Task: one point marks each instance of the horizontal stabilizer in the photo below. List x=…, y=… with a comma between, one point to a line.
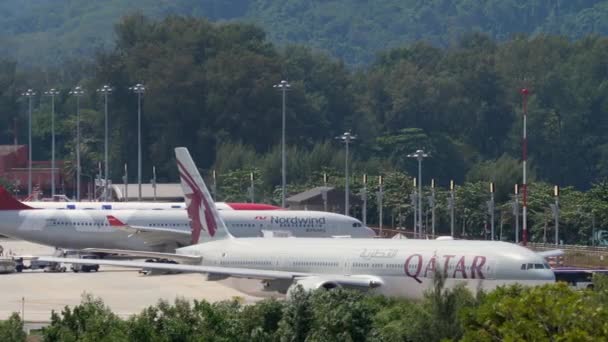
x=551, y=253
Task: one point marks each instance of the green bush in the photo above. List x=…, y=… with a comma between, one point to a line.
x=11, y=330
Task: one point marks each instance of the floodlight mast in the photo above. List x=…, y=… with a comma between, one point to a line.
x=283, y=86
x=30, y=95
x=419, y=155
x=139, y=89
x=78, y=92
x=346, y=138
x=105, y=90
x=52, y=93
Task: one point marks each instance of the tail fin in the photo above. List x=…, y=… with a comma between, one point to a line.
x=206, y=222
x=8, y=202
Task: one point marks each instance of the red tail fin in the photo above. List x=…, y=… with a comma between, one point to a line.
x=8, y=202
x=114, y=222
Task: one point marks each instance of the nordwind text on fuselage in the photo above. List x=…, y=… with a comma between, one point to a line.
x=311, y=224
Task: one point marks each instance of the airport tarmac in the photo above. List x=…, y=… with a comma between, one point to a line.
x=124, y=290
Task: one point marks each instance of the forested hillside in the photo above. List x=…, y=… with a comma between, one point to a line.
x=41, y=32
x=209, y=86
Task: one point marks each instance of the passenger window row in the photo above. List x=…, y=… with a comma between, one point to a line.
x=169, y=224
x=246, y=262
x=243, y=225
x=316, y=263
x=77, y=223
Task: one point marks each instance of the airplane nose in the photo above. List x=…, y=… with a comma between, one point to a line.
x=549, y=275
x=369, y=232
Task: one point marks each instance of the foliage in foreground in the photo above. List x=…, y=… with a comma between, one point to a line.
x=11, y=330
x=550, y=312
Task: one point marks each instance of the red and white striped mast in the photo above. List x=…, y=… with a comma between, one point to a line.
x=524, y=151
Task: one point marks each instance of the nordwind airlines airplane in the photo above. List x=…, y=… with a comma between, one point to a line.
x=143, y=205
x=391, y=267
x=157, y=230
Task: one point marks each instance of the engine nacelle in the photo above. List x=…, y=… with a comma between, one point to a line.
x=313, y=283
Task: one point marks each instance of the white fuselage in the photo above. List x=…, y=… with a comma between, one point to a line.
x=406, y=267
x=77, y=229
x=117, y=205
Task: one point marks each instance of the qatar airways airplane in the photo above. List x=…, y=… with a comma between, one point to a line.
x=392, y=267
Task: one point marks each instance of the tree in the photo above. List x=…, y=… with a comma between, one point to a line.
x=11, y=330
x=542, y=313
x=297, y=318
x=340, y=315
x=91, y=320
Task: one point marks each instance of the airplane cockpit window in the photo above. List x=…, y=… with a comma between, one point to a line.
x=535, y=266
x=357, y=224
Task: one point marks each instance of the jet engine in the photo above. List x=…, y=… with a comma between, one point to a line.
x=313, y=283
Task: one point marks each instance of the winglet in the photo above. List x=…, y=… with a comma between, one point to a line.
x=206, y=222
x=114, y=222
x=8, y=202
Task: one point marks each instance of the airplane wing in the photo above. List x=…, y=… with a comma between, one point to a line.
x=228, y=271
x=551, y=253
x=182, y=258
x=353, y=281
x=152, y=235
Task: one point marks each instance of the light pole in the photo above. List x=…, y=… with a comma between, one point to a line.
x=452, y=205
x=283, y=86
x=414, y=199
x=346, y=138
x=154, y=181
x=139, y=89
x=214, y=176
x=516, y=212
x=491, y=209
x=52, y=93
x=380, y=194
x=524, y=152
x=432, y=205
x=29, y=94
x=125, y=179
x=251, y=178
x=105, y=90
x=555, y=211
x=364, y=198
x=419, y=155
x=324, y=192
x=78, y=92
x=593, y=228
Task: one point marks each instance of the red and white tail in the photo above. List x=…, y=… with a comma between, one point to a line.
x=8, y=202
x=206, y=222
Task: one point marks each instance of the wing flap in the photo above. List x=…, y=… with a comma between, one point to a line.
x=152, y=235
x=229, y=271
x=188, y=259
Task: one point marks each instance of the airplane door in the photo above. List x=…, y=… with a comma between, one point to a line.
x=490, y=269
x=347, y=266
x=281, y=262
